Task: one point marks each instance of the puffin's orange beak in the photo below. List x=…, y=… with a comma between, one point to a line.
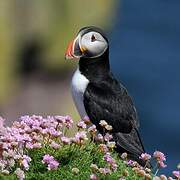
x=70, y=51
x=74, y=51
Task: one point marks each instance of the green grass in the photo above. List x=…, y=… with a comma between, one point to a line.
x=72, y=156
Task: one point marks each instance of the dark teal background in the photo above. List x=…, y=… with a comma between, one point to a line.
x=145, y=56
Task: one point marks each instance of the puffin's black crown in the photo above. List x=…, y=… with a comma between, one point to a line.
x=87, y=29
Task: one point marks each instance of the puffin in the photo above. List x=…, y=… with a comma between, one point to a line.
x=98, y=95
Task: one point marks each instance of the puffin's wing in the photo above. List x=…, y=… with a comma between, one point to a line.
x=110, y=102
x=129, y=143
x=107, y=100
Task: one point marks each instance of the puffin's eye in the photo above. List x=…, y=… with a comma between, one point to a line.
x=93, y=38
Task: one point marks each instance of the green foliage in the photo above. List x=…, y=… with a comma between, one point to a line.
x=71, y=156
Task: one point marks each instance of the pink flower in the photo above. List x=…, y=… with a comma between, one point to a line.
x=50, y=161
x=53, y=165
x=29, y=145
x=145, y=156
x=37, y=145
x=68, y=121
x=20, y=174
x=176, y=174
x=81, y=124
x=47, y=158
x=55, y=145
x=108, y=137
x=2, y=128
x=86, y=120
x=104, y=171
x=159, y=156
x=114, y=166
x=65, y=140
x=99, y=138
x=161, y=164
x=92, y=129
x=108, y=158
x=81, y=135
x=25, y=164
x=130, y=162
x=93, y=177
x=53, y=132
x=103, y=148
x=60, y=119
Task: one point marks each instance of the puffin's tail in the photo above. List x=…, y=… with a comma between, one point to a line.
x=130, y=143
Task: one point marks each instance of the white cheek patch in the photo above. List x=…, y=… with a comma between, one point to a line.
x=95, y=48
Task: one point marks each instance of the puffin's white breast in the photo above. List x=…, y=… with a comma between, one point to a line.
x=78, y=87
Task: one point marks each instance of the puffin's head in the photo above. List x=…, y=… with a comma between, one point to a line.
x=90, y=42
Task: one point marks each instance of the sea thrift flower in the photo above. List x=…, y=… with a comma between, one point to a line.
x=75, y=171
x=125, y=173
x=94, y=168
x=130, y=163
x=111, y=145
x=65, y=140
x=161, y=164
x=108, y=127
x=103, y=148
x=103, y=123
x=114, y=166
x=99, y=138
x=29, y=145
x=37, y=145
x=81, y=136
x=55, y=145
x=47, y=158
x=92, y=129
x=163, y=177
x=93, y=177
x=148, y=176
x=156, y=178
x=108, y=137
x=124, y=155
x=141, y=172
x=53, y=165
x=147, y=170
x=81, y=125
x=86, y=120
x=11, y=162
x=107, y=157
x=68, y=121
x=25, y=162
x=104, y=171
x=60, y=119
x=145, y=156
x=176, y=174
x=20, y=174
x=2, y=128
x=170, y=178
x=50, y=161
x=159, y=156
x=5, y=171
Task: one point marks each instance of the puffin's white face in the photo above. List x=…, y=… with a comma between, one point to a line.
x=93, y=44
x=90, y=44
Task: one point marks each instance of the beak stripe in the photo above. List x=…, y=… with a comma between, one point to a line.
x=83, y=49
x=69, y=51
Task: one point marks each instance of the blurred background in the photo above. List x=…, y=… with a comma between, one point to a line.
x=144, y=56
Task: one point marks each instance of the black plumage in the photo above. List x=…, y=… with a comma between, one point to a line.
x=104, y=98
x=107, y=99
